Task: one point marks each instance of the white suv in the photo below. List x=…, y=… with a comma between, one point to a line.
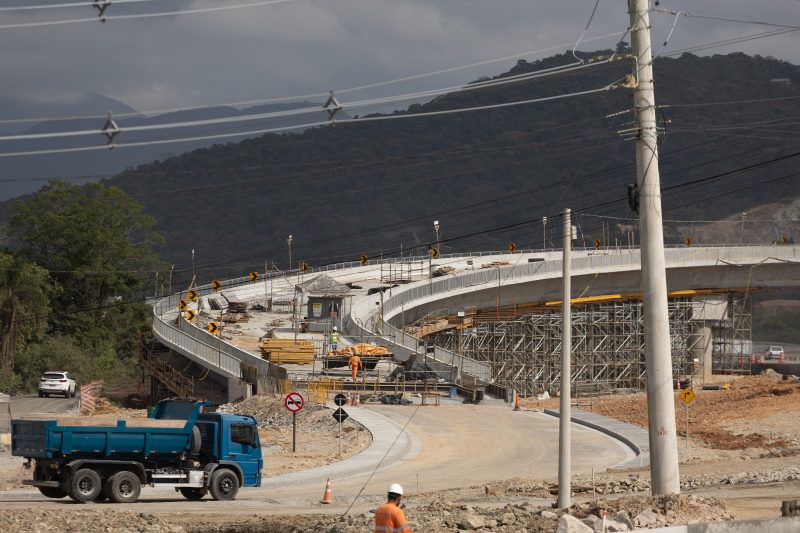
x=774, y=352
x=57, y=383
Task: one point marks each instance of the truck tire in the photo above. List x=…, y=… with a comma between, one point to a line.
x=193, y=494
x=197, y=441
x=224, y=484
x=123, y=487
x=52, y=492
x=85, y=485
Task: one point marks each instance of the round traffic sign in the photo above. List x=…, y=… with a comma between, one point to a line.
x=294, y=401
x=340, y=399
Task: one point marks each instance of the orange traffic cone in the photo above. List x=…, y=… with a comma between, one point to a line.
x=328, y=497
x=517, y=403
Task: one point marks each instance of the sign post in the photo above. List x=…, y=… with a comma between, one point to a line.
x=294, y=402
x=340, y=415
x=687, y=395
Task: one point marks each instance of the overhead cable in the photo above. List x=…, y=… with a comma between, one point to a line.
x=66, y=5
x=311, y=95
x=142, y=15
x=310, y=110
x=689, y=14
x=288, y=128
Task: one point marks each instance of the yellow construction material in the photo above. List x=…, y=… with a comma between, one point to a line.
x=361, y=349
x=289, y=351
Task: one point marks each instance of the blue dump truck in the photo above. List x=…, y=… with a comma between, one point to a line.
x=180, y=445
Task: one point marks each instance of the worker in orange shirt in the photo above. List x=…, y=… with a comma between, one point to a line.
x=355, y=363
x=389, y=517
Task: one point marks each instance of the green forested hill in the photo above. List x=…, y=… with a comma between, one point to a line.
x=374, y=187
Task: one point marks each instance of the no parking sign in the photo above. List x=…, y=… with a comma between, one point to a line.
x=294, y=402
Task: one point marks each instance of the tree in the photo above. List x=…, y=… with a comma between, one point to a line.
x=25, y=292
x=97, y=243
x=96, y=248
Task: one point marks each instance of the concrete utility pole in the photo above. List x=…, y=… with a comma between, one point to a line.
x=564, y=434
x=658, y=357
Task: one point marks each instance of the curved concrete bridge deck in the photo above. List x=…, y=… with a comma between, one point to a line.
x=530, y=276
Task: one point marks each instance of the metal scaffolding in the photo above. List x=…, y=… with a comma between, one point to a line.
x=403, y=270
x=608, y=343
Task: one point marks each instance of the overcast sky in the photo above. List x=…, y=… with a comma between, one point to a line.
x=308, y=46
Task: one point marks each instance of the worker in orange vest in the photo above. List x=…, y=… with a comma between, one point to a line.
x=389, y=517
x=355, y=363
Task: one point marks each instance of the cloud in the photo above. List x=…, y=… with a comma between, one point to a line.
x=309, y=46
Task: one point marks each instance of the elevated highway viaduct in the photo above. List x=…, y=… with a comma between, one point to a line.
x=480, y=281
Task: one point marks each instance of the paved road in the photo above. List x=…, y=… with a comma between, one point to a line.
x=455, y=446
x=32, y=405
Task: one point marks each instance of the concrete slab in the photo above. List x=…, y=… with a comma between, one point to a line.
x=636, y=438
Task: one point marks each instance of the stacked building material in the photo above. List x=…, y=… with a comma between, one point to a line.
x=288, y=351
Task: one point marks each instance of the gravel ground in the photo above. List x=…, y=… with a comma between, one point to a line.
x=438, y=514
x=317, y=434
x=83, y=521
x=757, y=412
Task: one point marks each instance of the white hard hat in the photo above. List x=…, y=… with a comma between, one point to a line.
x=334, y=328
x=396, y=489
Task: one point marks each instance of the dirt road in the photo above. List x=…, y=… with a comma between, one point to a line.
x=458, y=446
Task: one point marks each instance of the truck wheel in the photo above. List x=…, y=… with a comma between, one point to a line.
x=123, y=487
x=85, y=485
x=224, y=484
x=193, y=494
x=197, y=441
x=52, y=492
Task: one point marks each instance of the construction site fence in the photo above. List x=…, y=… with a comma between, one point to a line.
x=119, y=389
x=322, y=391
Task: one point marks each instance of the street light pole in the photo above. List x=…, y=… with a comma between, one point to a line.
x=544, y=234
x=565, y=395
x=741, y=235
x=436, y=229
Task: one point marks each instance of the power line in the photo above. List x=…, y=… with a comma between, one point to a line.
x=308, y=125
x=729, y=102
x=311, y=95
x=142, y=15
x=689, y=14
x=67, y=5
x=294, y=112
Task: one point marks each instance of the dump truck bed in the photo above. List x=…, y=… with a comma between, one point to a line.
x=103, y=438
